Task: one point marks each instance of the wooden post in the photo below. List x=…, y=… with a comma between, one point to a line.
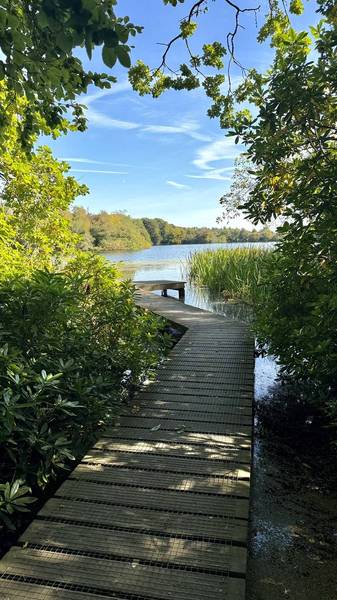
x=182, y=293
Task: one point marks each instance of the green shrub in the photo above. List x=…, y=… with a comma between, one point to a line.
x=298, y=318
x=72, y=343
x=233, y=274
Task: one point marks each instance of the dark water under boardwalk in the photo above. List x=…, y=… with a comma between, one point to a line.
x=293, y=541
x=293, y=536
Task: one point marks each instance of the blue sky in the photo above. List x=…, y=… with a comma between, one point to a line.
x=160, y=158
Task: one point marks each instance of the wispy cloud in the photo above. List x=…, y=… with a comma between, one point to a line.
x=214, y=174
x=218, y=150
x=178, y=186
x=89, y=161
x=101, y=119
x=189, y=128
x=82, y=160
x=222, y=149
x=99, y=171
x=116, y=88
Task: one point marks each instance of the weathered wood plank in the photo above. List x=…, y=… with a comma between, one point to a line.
x=177, y=464
x=179, y=501
x=178, y=406
x=185, y=437
x=20, y=590
x=175, y=413
x=171, y=550
x=210, y=527
x=232, y=451
x=162, y=480
x=179, y=425
x=120, y=577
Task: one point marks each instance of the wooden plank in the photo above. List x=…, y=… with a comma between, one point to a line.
x=166, y=549
x=178, y=501
x=231, y=452
x=186, y=424
x=177, y=464
x=178, y=405
x=189, y=389
x=160, y=284
x=211, y=527
x=20, y=590
x=210, y=371
x=235, y=386
x=163, y=480
x=207, y=403
x=230, y=416
x=184, y=437
x=121, y=577
x=178, y=426
x=225, y=398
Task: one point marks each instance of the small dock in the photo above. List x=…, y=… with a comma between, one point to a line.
x=162, y=285
x=158, y=509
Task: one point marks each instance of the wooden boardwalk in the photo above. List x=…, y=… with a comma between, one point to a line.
x=158, y=510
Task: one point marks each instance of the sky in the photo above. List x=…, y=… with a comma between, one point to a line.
x=165, y=157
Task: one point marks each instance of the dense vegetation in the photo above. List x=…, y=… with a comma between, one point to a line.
x=65, y=367
x=232, y=274
x=72, y=341
x=162, y=232
x=117, y=231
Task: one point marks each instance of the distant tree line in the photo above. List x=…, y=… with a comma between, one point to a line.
x=118, y=231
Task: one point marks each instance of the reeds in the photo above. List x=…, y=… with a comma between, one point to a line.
x=231, y=274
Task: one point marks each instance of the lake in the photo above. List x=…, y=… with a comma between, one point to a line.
x=169, y=262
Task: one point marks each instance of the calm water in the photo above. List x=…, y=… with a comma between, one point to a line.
x=169, y=262
x=292, y=550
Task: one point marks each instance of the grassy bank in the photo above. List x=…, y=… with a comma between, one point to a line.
x=233, y=274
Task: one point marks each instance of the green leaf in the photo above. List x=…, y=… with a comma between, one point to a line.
x=89, y=5
x=88, y=46
x=64, y=42
x=123, y=56
x=122, y=33
x=42, y=19
x=109, y=56
x=7, y=521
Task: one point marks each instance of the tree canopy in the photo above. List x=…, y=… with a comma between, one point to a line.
x=38, y=39
x=117, y=231
x=291, y=140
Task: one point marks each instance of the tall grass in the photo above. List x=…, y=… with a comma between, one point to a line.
x=231, y=274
